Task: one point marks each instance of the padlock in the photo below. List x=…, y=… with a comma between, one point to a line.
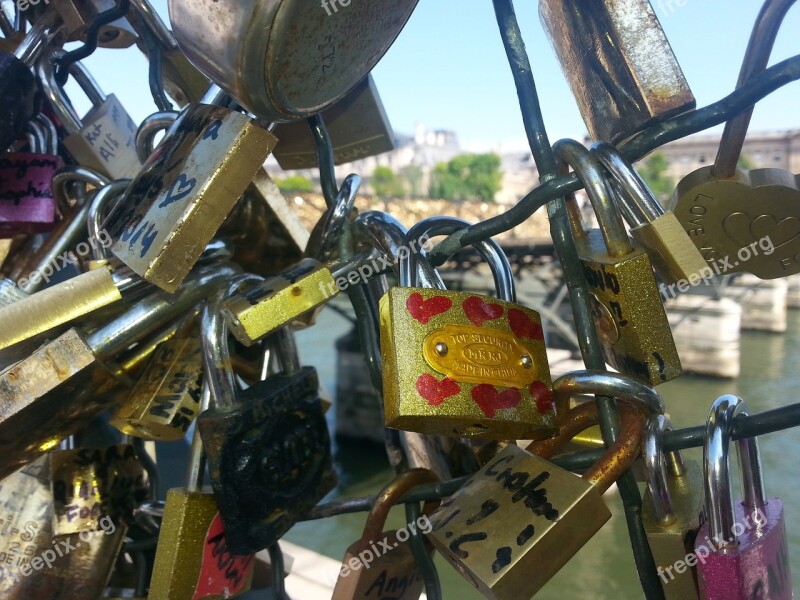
x=618, y=63
x=671, y=510
x=90, y=484
x=741, y=551
x=268, y=447
x=193, y=557
x=519, y=519
x=251, y=49
x=462, y=364
x=166, y=398
x=357, y=124
x=26, y=202
x=44, y=394
x=78, y=16
x=185, y=190
x=104, y=139
x=635, y=336
x=391, y=568
x=726, y=210
x=673, y=254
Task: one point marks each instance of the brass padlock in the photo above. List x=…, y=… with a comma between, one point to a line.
x=193, y=558
x=104, y=139
x=672, y=511
x=635, y=336
x=78, y=16
x=185, y=190
x=373, y=571
x=519, y=519
x=463, y=364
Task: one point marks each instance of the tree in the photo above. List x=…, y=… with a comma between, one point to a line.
x=746, y=163
x=385, y=184
x=411, y=176
x=295, y=183
x=467, y=177
x=653, y=171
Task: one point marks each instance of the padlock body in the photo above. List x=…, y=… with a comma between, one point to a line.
x=26, y=200
x=632, y=325
x=758, y=567
x=166, y=398
x=454, y=364
x=391, y=575
x=673, y=542
x=515, y=523
x=193, y=560
x=750, y=209
x=269, y=458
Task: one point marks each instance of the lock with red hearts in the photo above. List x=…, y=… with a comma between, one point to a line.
x=460, y=363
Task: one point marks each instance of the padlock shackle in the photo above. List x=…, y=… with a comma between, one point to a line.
x=388, y=497
x=37, y=137
x=716, y=465
x=655, y=462
x=102, y=206
x=325, y=235
x=146, y=134
x=152, y=21
x=51, y=133
x=72, y=173
x=39, y=38
x=641, y=206
x=489, y=249
x=570, y=153
x=605, y=383
x=197, y=460
x=756, y=57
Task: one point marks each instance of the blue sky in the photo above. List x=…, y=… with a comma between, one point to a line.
x=448, y=69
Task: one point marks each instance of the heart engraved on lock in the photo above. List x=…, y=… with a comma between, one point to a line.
x=435, y=391
x=478, y=310
x=423, y=310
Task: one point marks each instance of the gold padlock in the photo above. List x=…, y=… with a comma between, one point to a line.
x=517, y=521
x=462, y=364
x=370, y=570
x=635, y=336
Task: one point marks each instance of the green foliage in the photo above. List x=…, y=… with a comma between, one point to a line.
x=385, y=184
x=411, y=176
x=653, y=171
x=746, y=163
x=467, y=177
x=295, y=183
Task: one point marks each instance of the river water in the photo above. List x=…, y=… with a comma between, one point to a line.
x=603, y=569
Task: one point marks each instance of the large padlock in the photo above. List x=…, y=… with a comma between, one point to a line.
x=185, y=190
x=737, y=217
x=193, y=558
x=27, y=204
x=741, y=551
x=463, y=364
x=672, y=510
x=391, y=568
x=251, y=48
x=635, y=336
x=104, y=139
x=268, y=447
x=519, y=519
x=618, y=63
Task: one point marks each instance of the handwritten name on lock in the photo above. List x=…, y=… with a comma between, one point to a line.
x=222, y=573
x=27, y=175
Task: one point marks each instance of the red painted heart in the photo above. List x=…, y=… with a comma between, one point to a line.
x=423, y=310
x=435, y=391
x=523, y=326
x=490, y=400
x=478, y=310
x=542, y=396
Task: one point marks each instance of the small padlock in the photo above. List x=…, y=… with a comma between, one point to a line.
x=78, y=16
x=726, y=210
x=741, y=551
x=90, y=484
x=104, y=139
x=631, y=322
x=27, y=204
x=671, y=510
x=391, y=569
x=673, y=254
x=519, y=519
x=463, y=364
x=193, y=558
x=268, y=447
x=185, y=190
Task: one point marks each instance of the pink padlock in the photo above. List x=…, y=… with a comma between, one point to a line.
x=26, y=200
x=741, y=551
